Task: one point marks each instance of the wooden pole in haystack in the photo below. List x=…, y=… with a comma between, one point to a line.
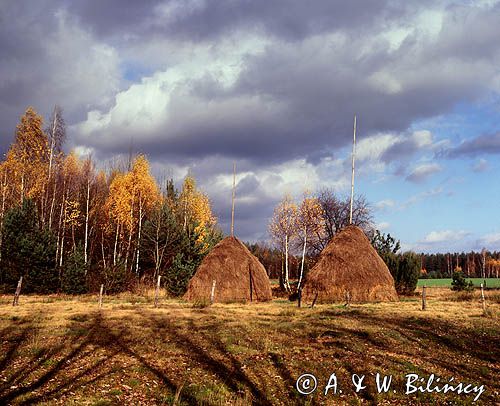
x=232, y=200
x=424, y=298
x=212, y=293
x=314, y=300
x=18, y=292
x=352, y=174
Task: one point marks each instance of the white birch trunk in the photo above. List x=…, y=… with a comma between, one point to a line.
x=63, y=233
x=138, y=238
x=4, y=190
x=287, y=283
x=102, y=250
x=22, y=188
x=116, y=243
x=52, y=204
x=87, y=220
x=303, y=259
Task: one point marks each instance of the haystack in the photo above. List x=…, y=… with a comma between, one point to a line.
x=238, y=275
x=349, y=267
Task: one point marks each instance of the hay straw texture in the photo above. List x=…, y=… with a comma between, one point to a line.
x=239, y=275
x=349, y=263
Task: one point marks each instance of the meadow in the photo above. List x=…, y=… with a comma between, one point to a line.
x=65, y=350
x=446, y=282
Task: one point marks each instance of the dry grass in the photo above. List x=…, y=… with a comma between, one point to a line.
x=63, y=350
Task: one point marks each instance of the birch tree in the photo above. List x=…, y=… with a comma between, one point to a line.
x=283, y=228
x=309, y=222
x=196, y=211
x=56, y=133
x=88, y=175
x=27, y=157
x=146, y=196
x=162, y=235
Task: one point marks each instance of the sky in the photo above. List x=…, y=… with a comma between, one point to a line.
x=274, y=86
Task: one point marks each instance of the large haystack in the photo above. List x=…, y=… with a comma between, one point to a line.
x=349, y=266
x=238, y=275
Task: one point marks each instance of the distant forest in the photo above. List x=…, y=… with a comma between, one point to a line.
x=433, y=265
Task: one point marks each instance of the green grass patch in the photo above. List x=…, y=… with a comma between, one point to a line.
x=446, y=282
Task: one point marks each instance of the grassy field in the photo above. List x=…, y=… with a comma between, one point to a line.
x=490, y=282
x=63, y=350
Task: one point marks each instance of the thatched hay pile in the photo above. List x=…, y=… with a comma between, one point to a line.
x=349, y=265
x=238, y=275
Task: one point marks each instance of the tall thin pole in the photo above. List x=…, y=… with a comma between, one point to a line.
x=232, y=203
x=352, y=174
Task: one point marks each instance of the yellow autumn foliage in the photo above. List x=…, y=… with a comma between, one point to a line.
x=195, y=207
x=284, y=221
x=132, y=192
x=27, y=158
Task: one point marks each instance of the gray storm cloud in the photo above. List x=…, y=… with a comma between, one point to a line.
x=202, y=83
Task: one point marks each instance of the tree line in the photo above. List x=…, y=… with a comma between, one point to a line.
x=484, y=264
x=67, y=226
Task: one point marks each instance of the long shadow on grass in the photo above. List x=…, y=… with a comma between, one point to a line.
x=15, y=338
x=119, y=342
x=60, y=378
x=13, y=387
x=233, y=375
x=440, y=333
x=459, y=350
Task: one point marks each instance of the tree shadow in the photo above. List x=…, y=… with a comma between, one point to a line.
x=14, y=388
x=462, y=351
x=233, y=375
x=31, y=378
x=15, y=341
x=99, y=335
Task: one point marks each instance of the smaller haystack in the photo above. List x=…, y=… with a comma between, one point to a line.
x=238, y=275
x=349, y=268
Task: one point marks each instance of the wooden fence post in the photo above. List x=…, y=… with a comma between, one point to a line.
x=157, y=291
x=424, y=298
x=18, y=292
x=483, y=301
x=100, y=296
x=212, y=293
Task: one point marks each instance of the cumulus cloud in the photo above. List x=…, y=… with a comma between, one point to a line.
x=384, y=204
x=481, y=145
x=197, y=84
x=481, y=165
x=382, y=226
x=421, y=172
x=489, y=241
x=405, y=146
x=271, y=100
x=422, y=196
x=47, y=59
x=444, y=236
